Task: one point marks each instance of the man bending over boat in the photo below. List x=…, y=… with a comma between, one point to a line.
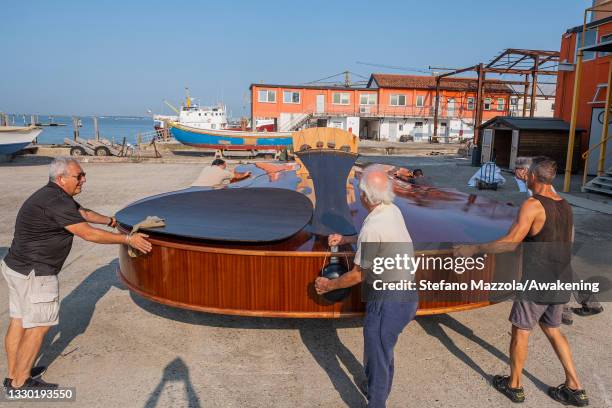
x=45, y=226
x=217, y=174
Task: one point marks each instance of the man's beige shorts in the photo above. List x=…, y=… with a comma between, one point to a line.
x=34, y=299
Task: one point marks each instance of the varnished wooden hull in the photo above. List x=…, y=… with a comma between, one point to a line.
x=276, y=278
x=232, y=281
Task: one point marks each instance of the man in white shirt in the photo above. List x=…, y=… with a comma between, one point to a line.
x=385, y=318
x=521, y=170
x=217, y=174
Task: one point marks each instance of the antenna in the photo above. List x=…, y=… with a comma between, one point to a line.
x=347, y=79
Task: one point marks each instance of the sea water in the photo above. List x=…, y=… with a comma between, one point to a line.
x=110, y=127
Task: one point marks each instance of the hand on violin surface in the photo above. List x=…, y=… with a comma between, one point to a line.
x=138, y=241
x=465, y=251
x=323, y=285
x=335, y=240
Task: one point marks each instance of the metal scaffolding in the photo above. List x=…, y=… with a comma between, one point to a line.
x=511, y=61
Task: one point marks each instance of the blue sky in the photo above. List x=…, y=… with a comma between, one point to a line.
x=124, y=57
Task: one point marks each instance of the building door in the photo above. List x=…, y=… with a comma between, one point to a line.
x=597, y=118
x=393, y=131
x=450, y=107
x=320, y=104
x=514, y=148
x=487, y=141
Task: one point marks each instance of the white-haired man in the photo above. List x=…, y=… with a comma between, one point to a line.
x=44, y=229
x=521, y=171
x=385, y=318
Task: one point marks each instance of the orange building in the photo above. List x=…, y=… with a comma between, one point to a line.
x=391, y=107
x=592, y=97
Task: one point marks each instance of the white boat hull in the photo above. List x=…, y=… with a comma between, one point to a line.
x=13, y=139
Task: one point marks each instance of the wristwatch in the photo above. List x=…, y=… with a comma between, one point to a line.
x=112, y=223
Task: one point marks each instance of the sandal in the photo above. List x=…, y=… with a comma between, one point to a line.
x=567, y=396
x=500, y=383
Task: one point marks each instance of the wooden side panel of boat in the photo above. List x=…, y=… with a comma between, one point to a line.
x=265, y=283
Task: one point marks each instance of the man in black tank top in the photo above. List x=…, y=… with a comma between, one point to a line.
x=545, y=224
x=588, y=301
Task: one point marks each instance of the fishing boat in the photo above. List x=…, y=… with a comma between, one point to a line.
x=230, y=139
x=208, y=128
x=15, y=138
x=193, y=115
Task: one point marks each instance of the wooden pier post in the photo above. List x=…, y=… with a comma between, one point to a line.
x=96, y=130
x=75, y=126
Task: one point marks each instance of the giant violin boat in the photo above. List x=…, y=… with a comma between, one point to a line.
x=255, y=247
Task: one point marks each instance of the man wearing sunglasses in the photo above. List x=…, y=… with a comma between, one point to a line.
x=45, y=226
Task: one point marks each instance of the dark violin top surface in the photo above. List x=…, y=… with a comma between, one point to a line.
x=236, y=215
x=263, y=206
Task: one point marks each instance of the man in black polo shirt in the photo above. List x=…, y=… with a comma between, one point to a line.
x=44, y=229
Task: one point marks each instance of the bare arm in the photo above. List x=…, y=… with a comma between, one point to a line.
x=351, y=278
x=88, y=233
x=96, y=218
x=515, y=235
x=240, y=176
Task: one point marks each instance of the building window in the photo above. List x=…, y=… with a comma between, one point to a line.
x=418, y=125
x=291, y=97
x=267, y=96
x=605, y=38
x=398, y=100
x=500, y=104
x=340, y=98
x=552, y=106
x=367, y=99
x=470, y=103
x=400, y=127
x=487, y=104
x=420, y=101
x=514, y=101
x=590, y=38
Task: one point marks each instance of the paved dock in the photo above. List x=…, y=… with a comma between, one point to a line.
x=120, y=350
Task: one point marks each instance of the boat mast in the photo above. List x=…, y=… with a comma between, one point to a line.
x=187, y=98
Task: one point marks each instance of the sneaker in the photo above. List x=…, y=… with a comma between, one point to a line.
x=35, y=372
x=38, y=371
x=34, y=383
x=567, y=396
x=588, y=311
x=501, y=384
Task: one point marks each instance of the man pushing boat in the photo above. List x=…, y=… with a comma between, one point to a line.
x=45, y=226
